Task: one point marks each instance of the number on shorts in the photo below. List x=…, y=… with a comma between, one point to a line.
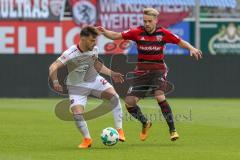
x=103, y=81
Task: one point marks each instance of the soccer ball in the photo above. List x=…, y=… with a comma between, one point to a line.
x=109, y=136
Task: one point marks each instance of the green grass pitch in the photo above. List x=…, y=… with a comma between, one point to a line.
x=209, y=130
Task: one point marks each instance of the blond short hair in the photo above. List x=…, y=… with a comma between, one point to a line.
x=150, y=12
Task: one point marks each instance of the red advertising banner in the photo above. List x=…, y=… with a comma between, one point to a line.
x=122, y=16
x=37, y=37
x=49, y=38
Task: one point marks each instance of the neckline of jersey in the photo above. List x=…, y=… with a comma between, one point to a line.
x=78, y=47
x=152, y=32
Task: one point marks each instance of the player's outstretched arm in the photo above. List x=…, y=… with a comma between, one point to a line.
x=53, y=74
x=101, y=68
x=109, y=34
x=193, y=51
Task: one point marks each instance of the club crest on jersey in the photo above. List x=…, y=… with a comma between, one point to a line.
x=159, y=38
x=63, y=57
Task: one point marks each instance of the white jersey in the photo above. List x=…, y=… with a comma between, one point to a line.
x=80, y=65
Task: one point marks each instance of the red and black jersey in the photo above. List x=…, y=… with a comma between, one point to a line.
x=150, y=46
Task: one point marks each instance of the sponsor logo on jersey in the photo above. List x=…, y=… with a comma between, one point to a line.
x=63, y=57
x=159, y=38
x=150, y=48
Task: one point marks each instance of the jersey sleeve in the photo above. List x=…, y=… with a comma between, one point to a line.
x=130, y=34
x=64, y=58
x=169, y=37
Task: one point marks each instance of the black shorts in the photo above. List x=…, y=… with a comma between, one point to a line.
x=145, y=84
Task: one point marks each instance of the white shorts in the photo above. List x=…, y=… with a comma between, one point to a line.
x=78, y=94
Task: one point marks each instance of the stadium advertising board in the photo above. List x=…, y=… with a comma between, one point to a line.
x=19, y=37
x=55, y=37
x=49, y=10
x=119, y=17
x=37, y=37
x=220, y=37
x=44, y=37
x=182, y=30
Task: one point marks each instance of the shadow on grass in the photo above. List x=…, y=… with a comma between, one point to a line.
x=154, y=145
x=75, y=148
x=120, y=146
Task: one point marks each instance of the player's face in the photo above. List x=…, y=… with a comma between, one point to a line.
x=90, y=42
x=150, y=23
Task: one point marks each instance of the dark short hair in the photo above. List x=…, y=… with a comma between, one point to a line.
x=89, y=30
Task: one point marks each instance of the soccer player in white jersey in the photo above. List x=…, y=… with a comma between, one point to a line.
x=84, y=80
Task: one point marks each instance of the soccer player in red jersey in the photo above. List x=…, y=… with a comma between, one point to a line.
x=150, y=41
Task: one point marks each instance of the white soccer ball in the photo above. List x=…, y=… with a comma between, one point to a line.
x=109, y=136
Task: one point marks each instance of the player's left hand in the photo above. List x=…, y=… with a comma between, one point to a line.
x=100, y=29
x=117, y=77
x=196, y=53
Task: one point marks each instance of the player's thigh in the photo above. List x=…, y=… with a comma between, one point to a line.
x=108, y=93
x=77, y=103
x=101, y=88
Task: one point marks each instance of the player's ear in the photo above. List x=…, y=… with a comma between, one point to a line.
x=155, y=19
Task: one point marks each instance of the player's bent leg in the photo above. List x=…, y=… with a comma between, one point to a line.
x=110, y=94
x=78, y=111
x=131, y=101
x=135, y=111
x=167, y=113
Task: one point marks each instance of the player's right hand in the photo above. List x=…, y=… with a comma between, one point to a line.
x=57, y=87
x=196, y=53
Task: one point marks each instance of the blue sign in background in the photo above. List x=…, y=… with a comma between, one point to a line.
x=182, y=30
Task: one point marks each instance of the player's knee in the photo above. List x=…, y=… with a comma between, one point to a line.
x=115, y=100
x=130, y=101
x=78, y=117
x=160, y=98
x=109, y=93
x=77, y=110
